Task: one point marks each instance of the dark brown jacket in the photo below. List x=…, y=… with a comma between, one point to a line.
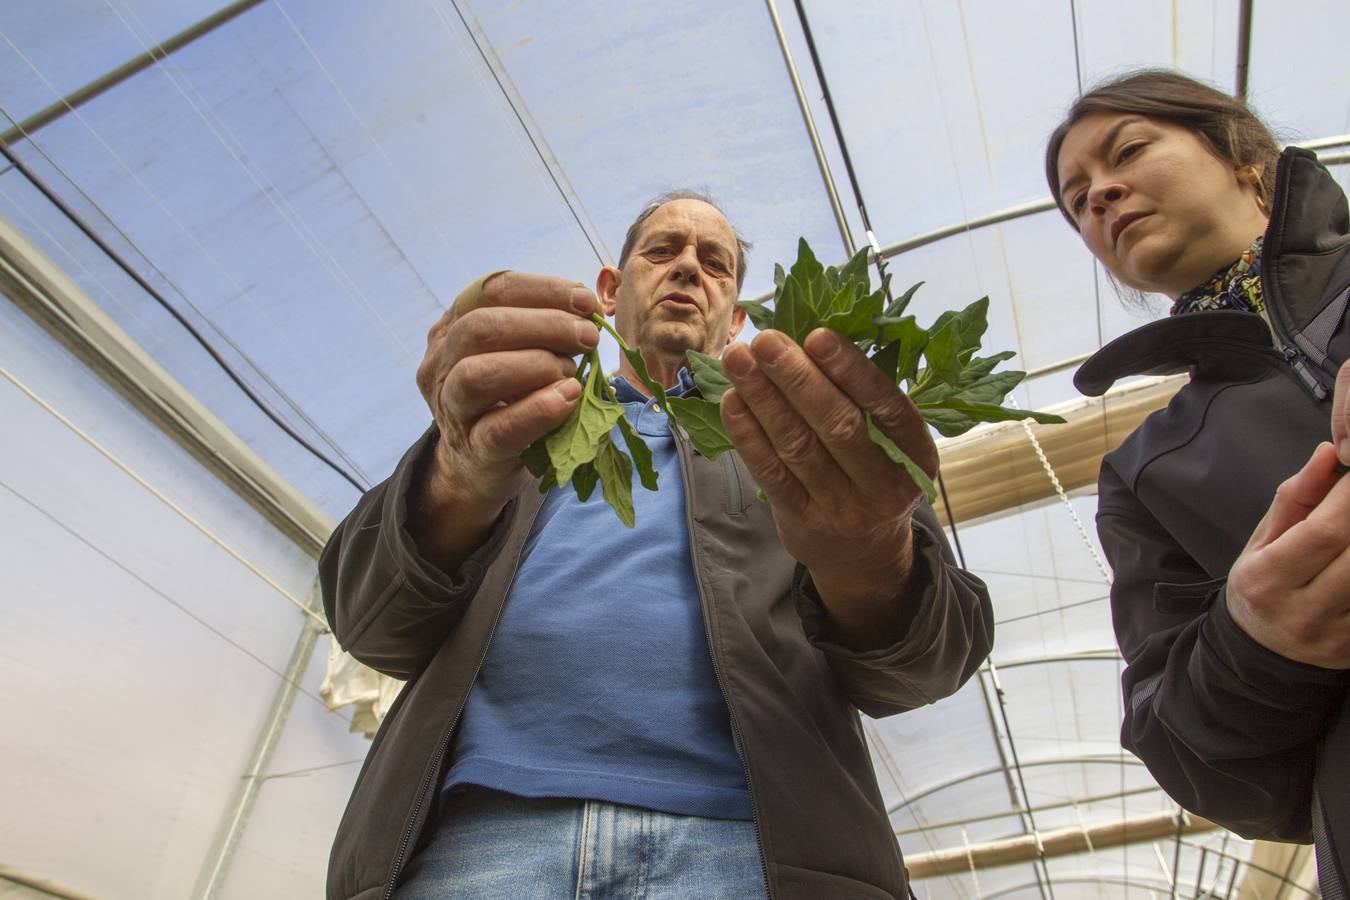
x=791, y=693
x=1231, y=730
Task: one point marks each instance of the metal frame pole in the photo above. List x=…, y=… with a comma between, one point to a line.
x=217, y=863
x=844, y=233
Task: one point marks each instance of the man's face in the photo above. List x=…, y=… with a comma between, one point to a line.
x=677, y=291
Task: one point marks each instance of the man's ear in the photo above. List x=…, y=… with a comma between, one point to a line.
x=607, y=289
x=737, y=323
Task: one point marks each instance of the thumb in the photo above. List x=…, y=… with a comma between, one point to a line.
x=1340, y=414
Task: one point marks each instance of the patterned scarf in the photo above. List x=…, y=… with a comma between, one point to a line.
x=1236, y=286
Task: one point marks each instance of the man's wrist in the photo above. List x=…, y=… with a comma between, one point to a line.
x=866, y=604
x=446, y=521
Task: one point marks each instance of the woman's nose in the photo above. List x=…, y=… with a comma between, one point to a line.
x=1100, y=198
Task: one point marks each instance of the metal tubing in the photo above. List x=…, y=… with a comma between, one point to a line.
x=1244, y=49
x=38, y=885
x=120, y=74
x=1110, y=759
x=217, y=865
x=844, y=234
x=1060, y=842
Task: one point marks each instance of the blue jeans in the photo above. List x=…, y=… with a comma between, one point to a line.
x=490, y=845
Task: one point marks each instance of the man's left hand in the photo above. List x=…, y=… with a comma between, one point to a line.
x=841, y=505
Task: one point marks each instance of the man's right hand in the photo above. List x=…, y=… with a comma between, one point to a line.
x=497, y=376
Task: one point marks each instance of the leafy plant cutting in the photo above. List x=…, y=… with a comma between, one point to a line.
x=937, y=367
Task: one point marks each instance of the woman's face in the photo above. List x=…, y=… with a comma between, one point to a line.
x=1156, y=207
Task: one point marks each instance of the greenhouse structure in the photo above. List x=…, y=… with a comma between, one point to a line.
x=226, y=228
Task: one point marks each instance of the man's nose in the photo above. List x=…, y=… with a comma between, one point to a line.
x=686, y=266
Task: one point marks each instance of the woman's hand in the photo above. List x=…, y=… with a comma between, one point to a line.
x=1290, y=588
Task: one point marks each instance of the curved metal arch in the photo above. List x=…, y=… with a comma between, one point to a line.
x=1156, y=885
x=1099, y=655
x=1093, y=759
x=1045, y=204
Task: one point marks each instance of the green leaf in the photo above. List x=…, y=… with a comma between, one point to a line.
x=855, y=270
x=897, y=455
x=702, y=421
x=943, y=349
x=578, y=439
x=991, y=388
x=948, y=422
x=709, y=375
x=792, y=312
x=990, y=412
x=898, y=305
x=759, y=313
x=856, y=324
x=886, y=359
x=807, y=268
x=616, y=480
x=981, y=366
x=971, y=322
x=641, y=454
x=535, y=457
x=640, y=366
x=910, y=340
x=583, y=481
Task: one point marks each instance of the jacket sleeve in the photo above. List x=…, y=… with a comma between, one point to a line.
x=388, y=607
x=1227, y=727
x=951, y=634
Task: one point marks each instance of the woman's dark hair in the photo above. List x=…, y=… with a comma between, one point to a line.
x=1231, y=130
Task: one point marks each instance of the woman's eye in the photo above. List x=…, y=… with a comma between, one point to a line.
x=1076, y=205
x=1127, y=151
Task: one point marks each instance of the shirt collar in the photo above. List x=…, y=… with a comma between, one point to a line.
x=624, y=390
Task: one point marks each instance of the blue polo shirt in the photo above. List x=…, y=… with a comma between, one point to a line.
x=598, y=682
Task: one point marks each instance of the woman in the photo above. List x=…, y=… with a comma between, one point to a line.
x=1224, y=516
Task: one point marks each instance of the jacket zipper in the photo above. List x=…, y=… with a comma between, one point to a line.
x=1305, y=368
x=445, y=738
x=683, y=456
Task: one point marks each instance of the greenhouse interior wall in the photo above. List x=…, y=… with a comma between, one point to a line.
x=309, y=184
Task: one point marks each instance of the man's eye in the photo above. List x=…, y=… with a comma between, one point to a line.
x=717, y=266
x=659, y=252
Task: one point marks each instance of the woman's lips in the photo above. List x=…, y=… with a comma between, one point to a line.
x=1118, y=227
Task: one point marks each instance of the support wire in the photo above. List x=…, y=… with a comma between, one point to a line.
x=78, y=221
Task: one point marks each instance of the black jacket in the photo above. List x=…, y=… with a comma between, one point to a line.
x=792, y=694
x=1231, y=730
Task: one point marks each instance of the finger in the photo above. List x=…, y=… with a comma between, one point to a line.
x=503, y=434
x=1340, y=414
x=490, y=330
x=1297, y=496
x=486, y=380
x=498, y=330
x=522, y=290
x=782, y=488
x=870, y=390
x=793, y=439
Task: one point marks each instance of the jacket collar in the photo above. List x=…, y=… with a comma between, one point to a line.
x=1308, y=216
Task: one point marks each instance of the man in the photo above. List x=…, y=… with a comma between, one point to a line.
x=667, y=711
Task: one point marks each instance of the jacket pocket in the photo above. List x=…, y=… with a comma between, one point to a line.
x=738, y=483
x=1172, y=599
